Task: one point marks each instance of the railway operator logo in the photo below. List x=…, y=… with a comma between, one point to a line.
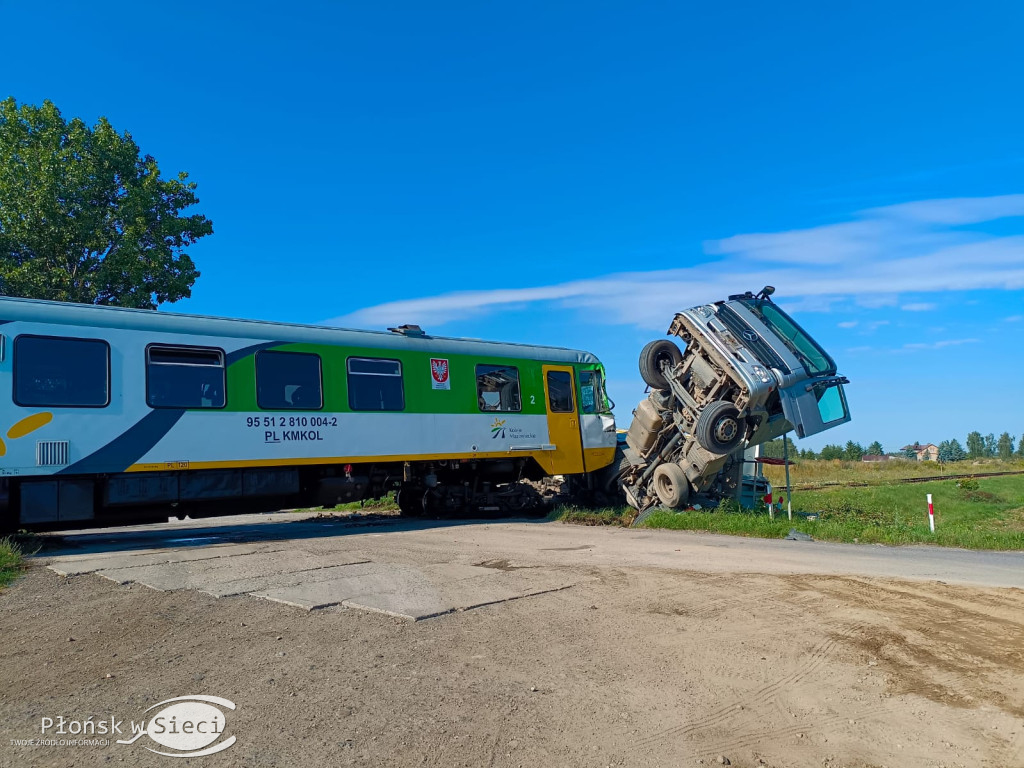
x=439, y=378
x=498, y=428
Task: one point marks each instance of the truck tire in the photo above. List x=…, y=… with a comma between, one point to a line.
x=651, y=358
x=718, y=428
x=671, y=485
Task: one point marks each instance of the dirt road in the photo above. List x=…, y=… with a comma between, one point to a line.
x=666, y=649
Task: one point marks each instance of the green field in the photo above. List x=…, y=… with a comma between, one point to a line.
x=835, y=472
x=981, y=513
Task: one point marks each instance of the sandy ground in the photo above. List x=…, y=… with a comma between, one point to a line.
x=632, y=666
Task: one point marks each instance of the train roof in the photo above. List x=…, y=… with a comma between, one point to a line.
x=95, y=316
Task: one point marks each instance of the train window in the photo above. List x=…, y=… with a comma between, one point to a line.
x=288, y=380
x=375, y=385
x=61, y=373
x=184, y=377
x=560, y=391
x=497, y=388
x=591, y=392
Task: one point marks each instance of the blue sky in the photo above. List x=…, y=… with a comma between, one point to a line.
x=572, y=174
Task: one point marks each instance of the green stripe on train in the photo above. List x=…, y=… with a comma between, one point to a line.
x=420, y=397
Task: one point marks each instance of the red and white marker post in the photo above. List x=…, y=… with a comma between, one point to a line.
x=931, y=514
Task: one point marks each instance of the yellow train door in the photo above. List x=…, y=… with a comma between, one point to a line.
x=563, y=420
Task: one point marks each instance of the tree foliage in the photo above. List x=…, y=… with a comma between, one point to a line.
x=875, y=449
x=774, y=448
x=853, y=451
x=1004, y=446
x=975, y=445
x=956, y=451
x=951, y=450
x=831, y=452
x=85, y=217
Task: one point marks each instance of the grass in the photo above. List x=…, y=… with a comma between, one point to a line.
x=621, y=516
x=984, y=513
x=978, y=513
x=12, y=560
x=385, y=504
x=835, y=472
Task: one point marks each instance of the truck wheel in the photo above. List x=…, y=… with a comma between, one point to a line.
x=651, y=358
x=671, y=485
x=718, y=427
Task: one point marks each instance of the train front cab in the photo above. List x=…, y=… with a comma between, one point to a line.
x=581, y=428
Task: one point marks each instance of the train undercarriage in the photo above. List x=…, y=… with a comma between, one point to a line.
x=443, y=488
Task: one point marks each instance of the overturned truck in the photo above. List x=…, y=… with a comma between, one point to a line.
x=747, y=374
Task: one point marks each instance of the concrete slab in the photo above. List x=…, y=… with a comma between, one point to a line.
x=456, y=571
x=76, y=565
x=257, y=584
x=424, y=602
x=208, y=574
x=417, y=593
x=382, y=578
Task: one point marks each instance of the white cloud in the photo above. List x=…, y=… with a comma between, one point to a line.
x=1013, y=319
x=940, y=344
x=870, y=261
x=956, y=210
x=848, y=324
x=920, y=306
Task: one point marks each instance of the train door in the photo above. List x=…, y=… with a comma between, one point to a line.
x=563, y=420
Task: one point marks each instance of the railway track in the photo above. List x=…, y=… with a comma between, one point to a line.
x=975, y=475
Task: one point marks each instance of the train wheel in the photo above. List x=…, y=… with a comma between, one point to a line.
x=410, y=501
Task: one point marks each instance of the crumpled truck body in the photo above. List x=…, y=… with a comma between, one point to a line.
x=747, y=374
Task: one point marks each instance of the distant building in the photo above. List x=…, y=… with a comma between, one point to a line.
x=926, y=452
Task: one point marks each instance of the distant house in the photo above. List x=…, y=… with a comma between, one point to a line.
x=924, y=452
x=869, y=458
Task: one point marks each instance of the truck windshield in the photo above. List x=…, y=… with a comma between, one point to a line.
x=792, y=335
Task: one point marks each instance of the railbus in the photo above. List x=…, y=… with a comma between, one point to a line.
x=110, y=414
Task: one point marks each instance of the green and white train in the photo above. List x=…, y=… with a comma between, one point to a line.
x=119, y=413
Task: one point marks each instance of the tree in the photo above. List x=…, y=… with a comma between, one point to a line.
x=975, y=445
x=956, y=451
x=1005, y=446
x=990, y=445
x=944, y=451
x=773, y=449
x=853, y=451
x=831, y=452
x=875, y=449
x=85, y=217
x=1020, y=447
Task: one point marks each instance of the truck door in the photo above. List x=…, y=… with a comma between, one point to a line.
x=563, y=420
x=813, y=407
